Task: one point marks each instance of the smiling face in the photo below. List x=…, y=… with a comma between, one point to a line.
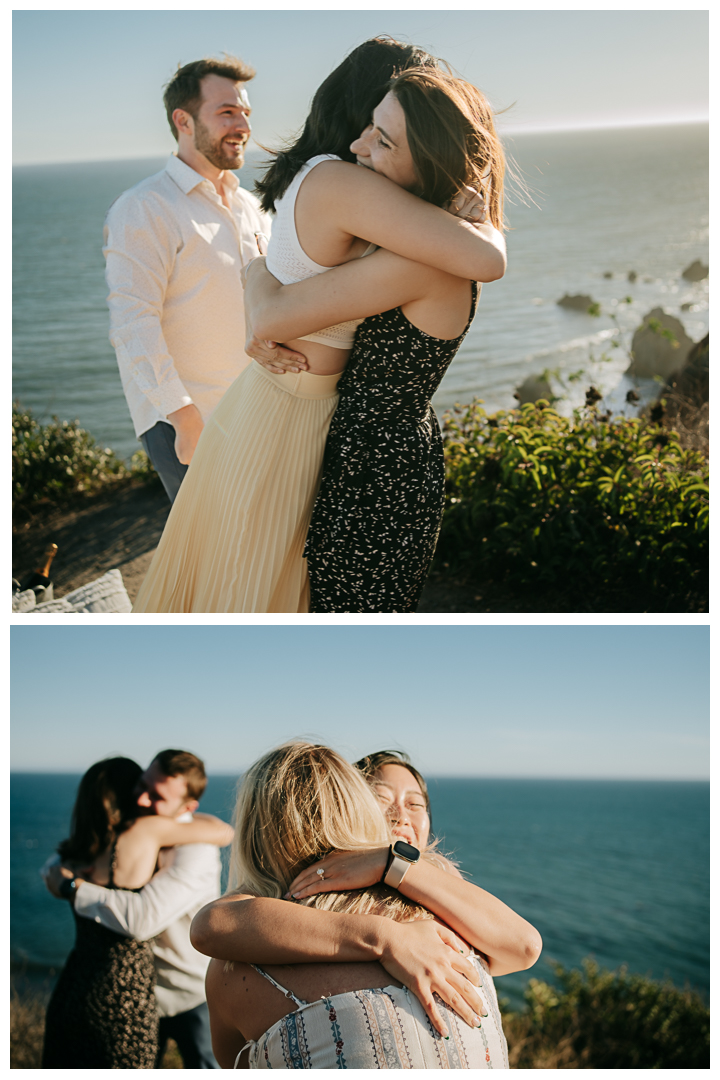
x=383, y=145
x=166, y=796
x=221, y=127
x=404, y=804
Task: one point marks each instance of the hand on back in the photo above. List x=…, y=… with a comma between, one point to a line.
x=430, y=959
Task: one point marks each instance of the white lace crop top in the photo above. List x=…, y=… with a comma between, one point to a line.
x=287, y=261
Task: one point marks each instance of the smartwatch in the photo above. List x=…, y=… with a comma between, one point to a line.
x=400, y=858
x=68, y=888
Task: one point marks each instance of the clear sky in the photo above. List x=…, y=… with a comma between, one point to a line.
x=88, y=84
x=532, y=701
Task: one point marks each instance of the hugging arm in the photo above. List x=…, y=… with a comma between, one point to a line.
x=508, y=942
x=356, y=289
x=362, y=203
x=172, y=893
x=138, y=847
x=423, y=955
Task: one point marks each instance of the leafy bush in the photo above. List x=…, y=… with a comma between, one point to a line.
x=600, y=1019
x=59, y=460
x=590, y=515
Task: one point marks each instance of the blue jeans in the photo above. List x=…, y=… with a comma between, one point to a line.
x=191, y=1032
x=159, y=445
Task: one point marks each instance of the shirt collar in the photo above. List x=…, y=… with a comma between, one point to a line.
x=187, y=178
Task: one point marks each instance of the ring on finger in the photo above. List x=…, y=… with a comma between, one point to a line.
x=320, y=872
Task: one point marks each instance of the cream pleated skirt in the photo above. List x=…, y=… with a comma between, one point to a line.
x=235, y=535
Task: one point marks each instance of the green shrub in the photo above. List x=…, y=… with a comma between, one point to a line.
x=57, y=461
x=598, y=1019
x=591, y=514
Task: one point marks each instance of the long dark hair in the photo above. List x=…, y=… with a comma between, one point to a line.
x=104, y=806
x=341, y=109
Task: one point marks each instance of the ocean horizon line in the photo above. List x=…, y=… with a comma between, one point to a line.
x=442, y=776
x=509, y=132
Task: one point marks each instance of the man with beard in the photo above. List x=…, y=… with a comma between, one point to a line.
x=175, y=245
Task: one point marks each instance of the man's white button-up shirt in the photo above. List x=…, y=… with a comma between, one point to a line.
x=174, y=254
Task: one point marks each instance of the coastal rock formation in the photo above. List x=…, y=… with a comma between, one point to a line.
x=695, y=271
x=686, y=398
x=660, y=346
x=533, y=389
x=576, y=303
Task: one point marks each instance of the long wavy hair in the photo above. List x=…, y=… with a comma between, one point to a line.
x=341, y=108
x=104, y=806
x=452, y=138
x=295, y=805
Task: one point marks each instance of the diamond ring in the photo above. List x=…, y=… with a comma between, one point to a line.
x=320, y=872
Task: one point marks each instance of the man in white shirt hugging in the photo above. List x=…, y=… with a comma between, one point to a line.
x=188, y=878
x=175, y=246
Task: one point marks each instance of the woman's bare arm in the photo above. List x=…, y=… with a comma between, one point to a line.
x=203, y=829
x=509, y=942
x=227, y=1038
x=362, y=203
x=423, y=955
x=138, y=847
x=356, y=289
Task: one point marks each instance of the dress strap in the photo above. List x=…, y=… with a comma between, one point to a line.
x=113, y=865
x=287, y=993
x=251, y=1043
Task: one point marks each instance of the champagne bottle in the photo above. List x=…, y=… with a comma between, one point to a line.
x=40, y=579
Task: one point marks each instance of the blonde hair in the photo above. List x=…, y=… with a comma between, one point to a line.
x=295, y=805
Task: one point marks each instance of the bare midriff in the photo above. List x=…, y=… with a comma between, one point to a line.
x=322, y=359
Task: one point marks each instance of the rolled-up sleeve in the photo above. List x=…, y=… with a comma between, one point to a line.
x=192, y=881
x=140, y=247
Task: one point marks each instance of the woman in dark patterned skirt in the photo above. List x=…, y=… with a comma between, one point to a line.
x=377, y=516
x=102, y=1013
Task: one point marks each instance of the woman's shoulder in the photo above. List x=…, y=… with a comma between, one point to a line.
x=329, y=181
x=317, y=158
x=144, y=825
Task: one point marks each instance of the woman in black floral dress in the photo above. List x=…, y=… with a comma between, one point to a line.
x=377, y=516
x=102, y=1013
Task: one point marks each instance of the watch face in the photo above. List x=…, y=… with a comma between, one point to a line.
x=406, y=851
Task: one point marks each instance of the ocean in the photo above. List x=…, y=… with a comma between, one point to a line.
x=614, y=869
x=603, y=202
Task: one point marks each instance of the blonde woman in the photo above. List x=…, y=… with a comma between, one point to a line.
x=296, y=805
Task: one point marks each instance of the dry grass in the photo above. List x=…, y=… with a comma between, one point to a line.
x=527, y=1051
x=684, y=402
x=27, y=1025
x=27, y=1028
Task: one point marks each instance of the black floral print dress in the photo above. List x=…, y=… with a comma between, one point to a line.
x=103, y=1012
x=377, y=516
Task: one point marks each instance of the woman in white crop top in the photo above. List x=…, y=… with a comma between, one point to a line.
x=235, y=535
x=295, y=805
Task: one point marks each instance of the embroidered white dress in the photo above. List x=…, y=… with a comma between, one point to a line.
x=380, y=1029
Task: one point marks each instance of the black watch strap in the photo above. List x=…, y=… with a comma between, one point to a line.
x=387, y=863
x=68, y=888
